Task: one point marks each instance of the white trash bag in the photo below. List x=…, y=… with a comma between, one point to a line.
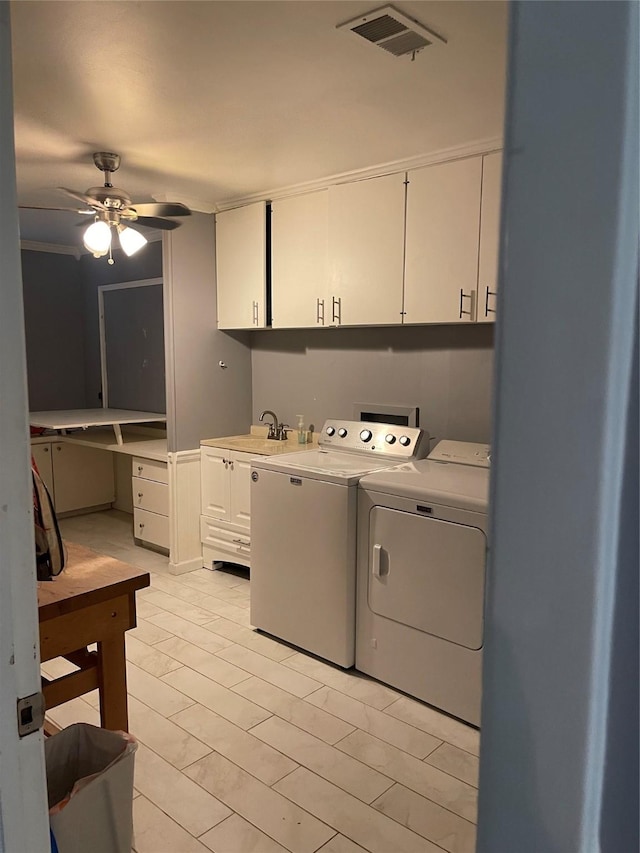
x=90, y=789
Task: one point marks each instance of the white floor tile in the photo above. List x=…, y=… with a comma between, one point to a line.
x=211, y=666
x=358, y=821
x=243, y=748
x=447, y=830
x=236, y=835
x=434, y=722
x=148, y=632
x=250, y=639
x=352, y=683
x=185, y=609
x=186, y=630
x=148, y=658
x=271, y=671
x=155, y=693
x=74, y=711
x=325, y=760
x=377, y=723
x=273, y=814
x=173, y=792
x=456, y=762
x=223, y=701
x=340, y=844
x=296, y=711
x=155, y=832
x=417, y=775
x=163, y=736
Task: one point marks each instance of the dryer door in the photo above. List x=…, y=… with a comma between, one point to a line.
x=428, y=574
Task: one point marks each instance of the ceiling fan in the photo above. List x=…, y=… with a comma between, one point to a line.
x=112, y=208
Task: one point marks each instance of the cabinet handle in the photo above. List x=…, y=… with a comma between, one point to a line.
x=140, y=495
x=45, y=449
x=488, y=310
x=255, y=313
x=468, y=296
x=319, y=313
x=58, y=447
x=337, y=316
x=141, y=525
x=139, y=469
x=231, y=464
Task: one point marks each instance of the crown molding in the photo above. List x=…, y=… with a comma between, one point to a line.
x=52, y=248
x=471, y=149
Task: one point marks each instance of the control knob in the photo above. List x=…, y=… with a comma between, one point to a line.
x=390, y=439
x=331, y=430
x=405, y=440
x=342, y=432
x=366, y=434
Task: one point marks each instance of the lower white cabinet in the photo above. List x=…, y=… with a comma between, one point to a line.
x=77, y=477
x=225, y=522
x=150, y=490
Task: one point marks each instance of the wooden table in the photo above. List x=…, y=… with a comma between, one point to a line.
x=91, y=601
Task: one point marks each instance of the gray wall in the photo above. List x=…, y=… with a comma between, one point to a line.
x=559, y=758
x=94, y=272
x=134, y=347
x=321, y=373
x=207, y=400
x=54, y=328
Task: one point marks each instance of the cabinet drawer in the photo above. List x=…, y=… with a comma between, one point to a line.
x=150, y=469
x=151, y=527
x=215, y=535
x=150, y=495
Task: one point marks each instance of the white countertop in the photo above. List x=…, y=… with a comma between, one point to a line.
x=74, y=418
x=256, y=442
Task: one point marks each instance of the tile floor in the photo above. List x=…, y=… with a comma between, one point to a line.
x=250, y=746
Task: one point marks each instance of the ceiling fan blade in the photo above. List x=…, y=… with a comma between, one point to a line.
x=155, y=222
x=65, y=209
x=92, y=202
x=161, y=209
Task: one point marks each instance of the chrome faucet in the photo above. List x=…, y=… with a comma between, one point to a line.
x=275, y=431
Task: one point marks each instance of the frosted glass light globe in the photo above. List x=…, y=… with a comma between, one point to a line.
x=97, y=238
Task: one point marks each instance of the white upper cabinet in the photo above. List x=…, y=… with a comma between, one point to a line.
x=299, y=262
x=366, y=251
x=489, y=237
x=443, y=225
x=241, y=267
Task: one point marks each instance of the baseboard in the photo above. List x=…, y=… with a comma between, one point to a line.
x=185, y=566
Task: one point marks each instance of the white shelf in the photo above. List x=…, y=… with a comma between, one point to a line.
x=85, y=418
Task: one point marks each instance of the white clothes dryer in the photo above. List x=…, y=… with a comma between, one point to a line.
x=422, y=541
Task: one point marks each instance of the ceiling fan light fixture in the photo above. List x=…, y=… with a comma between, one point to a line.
x=131, y=240
x=97, y=238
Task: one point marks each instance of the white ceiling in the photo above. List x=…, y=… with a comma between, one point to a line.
x=208, y=102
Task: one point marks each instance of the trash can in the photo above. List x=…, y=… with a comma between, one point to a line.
x=90, y=789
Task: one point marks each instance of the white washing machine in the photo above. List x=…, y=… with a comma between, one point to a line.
x=422, y=540
x=303, y=533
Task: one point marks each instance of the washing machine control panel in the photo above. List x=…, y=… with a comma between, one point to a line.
x=387, y=440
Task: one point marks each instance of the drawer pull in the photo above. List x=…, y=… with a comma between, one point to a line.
x=141, y=525
x=140, y=495
x=139, y=469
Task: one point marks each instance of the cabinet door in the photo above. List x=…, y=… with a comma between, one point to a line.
x=443, y=224
x=489, y=237
x=299, y=265
x=240, y=482
x=214, y=482
x=366, y=251
x=42, y=455
x=241, y=267
x=82, y=476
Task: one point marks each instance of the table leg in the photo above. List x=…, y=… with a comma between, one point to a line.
x=112, y=679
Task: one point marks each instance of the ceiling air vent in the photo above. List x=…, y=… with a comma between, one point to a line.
x=392, y=31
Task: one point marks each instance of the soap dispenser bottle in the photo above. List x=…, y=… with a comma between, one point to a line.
x=302, y=434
